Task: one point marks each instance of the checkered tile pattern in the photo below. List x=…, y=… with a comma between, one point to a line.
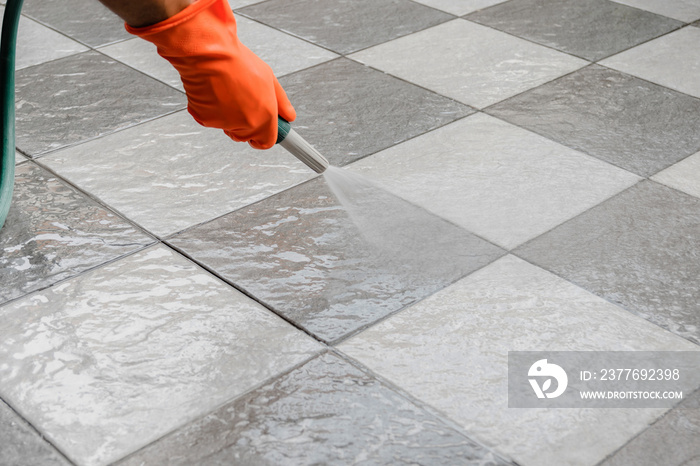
x=171, y=297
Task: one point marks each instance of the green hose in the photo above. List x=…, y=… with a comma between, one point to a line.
x=8, y=42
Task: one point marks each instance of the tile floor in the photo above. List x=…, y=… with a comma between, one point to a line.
x=171, y=297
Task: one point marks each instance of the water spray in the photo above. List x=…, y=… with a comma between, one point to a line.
x=299, y=148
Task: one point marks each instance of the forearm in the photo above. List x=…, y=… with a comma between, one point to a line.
x=141, y=13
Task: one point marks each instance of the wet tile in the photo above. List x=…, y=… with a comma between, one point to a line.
x=626, y=121
x=348, y=111
x=142, y=55
x=683, y=176
x=325, y=412
x=682, y=10
x=499, y=181
x=242, y=3
x=672, y=440
x=19, y=158
x=346, y=26
x=112, y=360
x=82, y=97
x=53, y=232
x=459, y=7
x=451, y=351
x=670, y=61
x=172, y=173
x=471, y=63
x=38, y=44
x=637, y=250
x=590, y=29
x=22, y=445
x=301, y=254
x=87, y=21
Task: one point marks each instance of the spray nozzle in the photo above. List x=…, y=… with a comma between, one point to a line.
x=298, y=147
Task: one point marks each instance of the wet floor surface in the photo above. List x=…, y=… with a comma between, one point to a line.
x=172, y=297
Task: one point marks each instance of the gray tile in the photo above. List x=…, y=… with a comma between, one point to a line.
x=347, y=110
x=638, y=250
x=346, y=26
x=682, y=176
x=52, y=232
x=671, y=440
x=21, y=445
x=301, y=253
x=459, y=7
x=682, y=10
x=84, y=96
x=325, y=412
x=114, y=359
x=87, y=21
x=626, y=121
x=591, y=29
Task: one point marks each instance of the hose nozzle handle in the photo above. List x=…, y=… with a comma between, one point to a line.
x=298, y=147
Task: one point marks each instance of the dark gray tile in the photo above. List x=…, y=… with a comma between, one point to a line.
x=639, y=250
x=346, y=26
x=87, y=21
x=325, y=412
x=591, y=29
x=301, y=254
x=631, y=123
x=20, y=445
x=673, y=440
x=53, y=232
x=696, y=24
x=84, y=96
x=347, y=110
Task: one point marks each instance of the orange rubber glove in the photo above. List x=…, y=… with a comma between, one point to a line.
x=227, y=85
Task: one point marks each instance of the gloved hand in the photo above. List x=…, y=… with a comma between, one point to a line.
x=227, y=85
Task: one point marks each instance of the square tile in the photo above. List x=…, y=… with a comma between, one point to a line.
x=471, y=63
x=87, y=21
x=53, y=232
x=682, y=10
x=22, y=445
x=638, y=250
x=684, y=176
x=325, y=412
x=348, y=111
x=301, y=254
x=110, y=361
x=142, y=55
x=631, y=123
x=499, y=181
x=451, y=351
x=84, y=96
x=672, y=61
x=345, y=26
x=672, y=440
x=590, y=29
x=171, y=173
x=459, y=7
x=38, y=44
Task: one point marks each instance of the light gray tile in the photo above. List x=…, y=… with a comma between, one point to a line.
x=631, y=123
x=19, y=158
x=348, y=111
x=22, y=445
x=325, y=412
x=53, y=232
x=682, y=10
x=172, y=173
x=671, y=61
x=638, y=249
x=84, y=96
x=87, y=21
x=471, y=63
x=451, y=351
x=497, y=180
x=301, y=253
x=684, y=176
x=112, y=360
x=346, y=26
x=590, y=29
x=38, y=44
x=459, y=7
